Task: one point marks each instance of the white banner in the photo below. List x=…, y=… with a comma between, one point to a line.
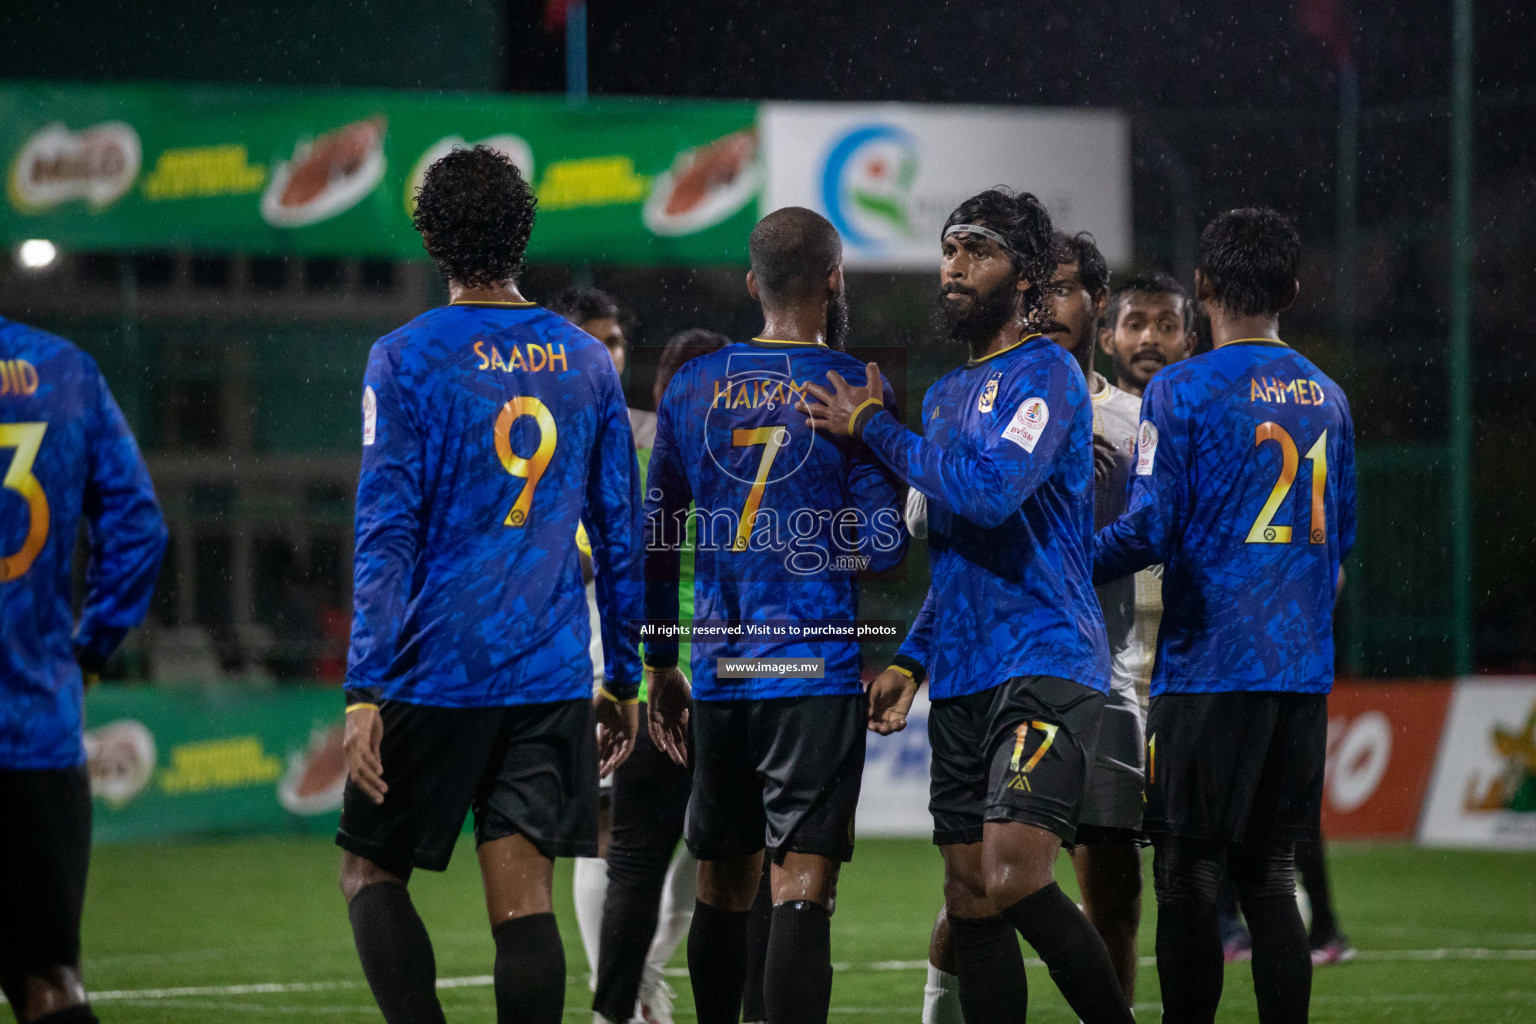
x=894, y=797
x=1484, y=788
x=888, y=175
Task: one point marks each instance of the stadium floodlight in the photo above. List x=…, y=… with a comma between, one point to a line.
x=36, y=254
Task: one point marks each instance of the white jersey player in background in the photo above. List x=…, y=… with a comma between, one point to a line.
x=1149, y=323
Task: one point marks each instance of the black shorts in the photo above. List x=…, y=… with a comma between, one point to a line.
x=779, y=774
x=1020, y=751
x=1236, y=766
x=45, y=848
x=528, y=770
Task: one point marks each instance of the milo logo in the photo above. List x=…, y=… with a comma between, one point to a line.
x=97, y=164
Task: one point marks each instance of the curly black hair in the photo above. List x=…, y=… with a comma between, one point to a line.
x=475, y=213
x=1082, y=249
x=1249, y=256
x=1023, y=222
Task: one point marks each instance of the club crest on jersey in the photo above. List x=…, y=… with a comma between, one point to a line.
x=1146, y=448
x=988, y=395
x=370, y=415
x=1028, y=424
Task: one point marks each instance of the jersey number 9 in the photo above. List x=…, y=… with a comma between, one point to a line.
x=532, y=467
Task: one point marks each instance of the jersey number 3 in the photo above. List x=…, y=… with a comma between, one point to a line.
x=532, y=467
x=26, y=438
x=1263, y=530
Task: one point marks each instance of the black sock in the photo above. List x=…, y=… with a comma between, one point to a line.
x=1314, y=877
x=759, y=924
x=396, y=954
x=1282, y=964
x=80, y=1014
x=1074, y=954
x=717, y=962
x=797, y=981
x=1189, y=962
x=990, y=968
x=530, y=970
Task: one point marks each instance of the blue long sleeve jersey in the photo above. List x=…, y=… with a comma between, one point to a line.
x=1007, y=465
x=65, y=451
x=785, y=517
x=1244, y=488
x=489, y=432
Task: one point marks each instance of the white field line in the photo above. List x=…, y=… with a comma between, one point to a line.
x=486, y=980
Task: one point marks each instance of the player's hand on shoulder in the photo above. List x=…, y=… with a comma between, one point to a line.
x=890, y=698
x=835, y=408
x=668, y=712
x=360, y=744
x=1103, y=458
x=617, y=725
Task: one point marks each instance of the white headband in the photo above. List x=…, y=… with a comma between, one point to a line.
x=977, y=229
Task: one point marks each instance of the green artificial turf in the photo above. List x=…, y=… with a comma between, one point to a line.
x=221, y=915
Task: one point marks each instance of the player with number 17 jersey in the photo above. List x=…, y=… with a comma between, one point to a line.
x=1244, y=486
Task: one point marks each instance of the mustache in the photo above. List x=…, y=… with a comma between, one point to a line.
x=958, y=289
x=1150, y=353
x=1052, y=327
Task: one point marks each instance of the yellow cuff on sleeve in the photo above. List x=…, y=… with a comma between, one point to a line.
x=603, y=692
x=360, y=706
x=898, y=668
x=854, y=418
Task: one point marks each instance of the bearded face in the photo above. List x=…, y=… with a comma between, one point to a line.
x=971, y=317
x=837, y=321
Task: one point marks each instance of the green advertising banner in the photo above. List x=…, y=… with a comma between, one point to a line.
x=169, y=762
x=278, y=171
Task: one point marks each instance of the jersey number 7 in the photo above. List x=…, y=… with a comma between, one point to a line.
x=772, y=438
x=1263, y=531
x=26, y=438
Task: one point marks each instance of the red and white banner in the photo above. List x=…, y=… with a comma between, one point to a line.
x=1381, y=750
x=1484, y=789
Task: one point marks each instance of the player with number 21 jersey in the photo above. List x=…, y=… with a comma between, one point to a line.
x=1244, y=485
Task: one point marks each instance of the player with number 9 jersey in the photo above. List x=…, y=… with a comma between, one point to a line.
x=489, y=432
x=491, y=428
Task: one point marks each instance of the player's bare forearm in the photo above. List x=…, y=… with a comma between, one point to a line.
x=668, y=711
x=890, y=699
x=842, y=409
x=360, y=743
x=617, y=725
